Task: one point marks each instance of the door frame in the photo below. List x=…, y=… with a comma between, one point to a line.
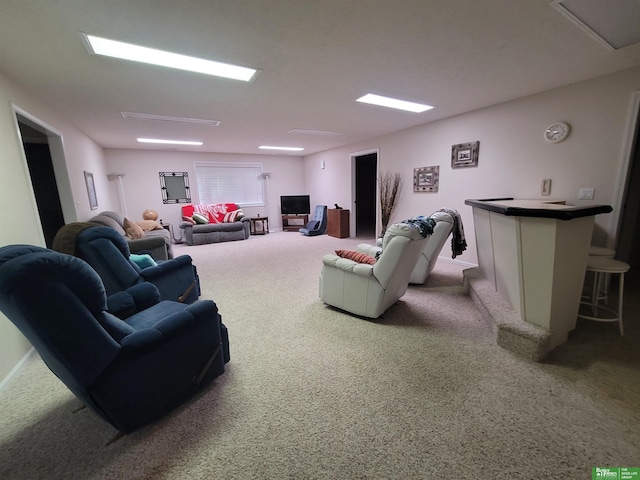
x=58, y=160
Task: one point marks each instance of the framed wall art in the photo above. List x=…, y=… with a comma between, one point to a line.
x=91, y=190
x=175, y=187
x=426, y=179
x=465, y=155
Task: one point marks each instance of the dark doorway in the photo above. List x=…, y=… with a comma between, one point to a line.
x=629, y=226
x=43, y=180
x=366, y=173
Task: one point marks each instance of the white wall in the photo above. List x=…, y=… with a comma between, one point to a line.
x=18, y=215
x=514, y=157
x=141, y=183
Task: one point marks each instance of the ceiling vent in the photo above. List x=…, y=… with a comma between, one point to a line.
x=167, y=118
x=613, y=23
x=317, y=132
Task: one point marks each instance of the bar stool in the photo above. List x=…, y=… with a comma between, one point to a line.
x=602, y=266
x=601, y=252
x=606, y=253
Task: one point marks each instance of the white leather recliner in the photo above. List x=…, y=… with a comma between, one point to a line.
x=369, y=290
x=427, y=260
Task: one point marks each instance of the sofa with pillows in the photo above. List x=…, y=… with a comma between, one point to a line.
x=146, y=236
x=214, y=223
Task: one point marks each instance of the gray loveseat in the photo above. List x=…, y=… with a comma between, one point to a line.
x=215, y=232
x=222, y=225
x=145, y=236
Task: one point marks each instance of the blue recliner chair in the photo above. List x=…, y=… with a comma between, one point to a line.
x=318, y=224
x=122, y=304
x=130, y=372
x=108, y=253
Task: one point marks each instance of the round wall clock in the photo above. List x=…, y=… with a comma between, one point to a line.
x=556, y=132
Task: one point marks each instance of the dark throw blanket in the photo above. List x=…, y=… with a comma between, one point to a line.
x=65, y=239
x=458, y=242
x=425, y=225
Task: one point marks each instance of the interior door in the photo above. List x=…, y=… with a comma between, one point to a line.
x=366, y=173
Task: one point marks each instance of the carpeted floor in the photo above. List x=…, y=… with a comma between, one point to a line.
x=313, y=393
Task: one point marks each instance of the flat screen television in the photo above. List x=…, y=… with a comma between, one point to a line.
x=295, y=205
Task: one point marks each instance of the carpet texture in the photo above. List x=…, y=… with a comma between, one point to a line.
x=313, y=393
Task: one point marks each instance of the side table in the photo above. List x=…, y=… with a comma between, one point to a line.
x=338, y=223
x=259, y=225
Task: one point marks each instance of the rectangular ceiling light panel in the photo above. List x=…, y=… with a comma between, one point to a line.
x=137, y=53
x=614, y=23
x=168, y=118
x=394, y=103
x=169, y=142
x=288, y=149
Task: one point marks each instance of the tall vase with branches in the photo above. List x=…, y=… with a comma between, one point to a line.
x=390, y=187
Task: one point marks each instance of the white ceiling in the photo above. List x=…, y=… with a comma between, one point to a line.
x=316, y=56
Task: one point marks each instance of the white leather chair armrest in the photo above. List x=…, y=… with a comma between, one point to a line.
x=367, y=249
x=361, y=269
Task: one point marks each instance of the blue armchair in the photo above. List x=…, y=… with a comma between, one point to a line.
x=122, y=304
x=108, y=253
x=318, y=224
x=130, y=372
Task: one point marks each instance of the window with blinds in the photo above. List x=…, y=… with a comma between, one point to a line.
x=239, y=183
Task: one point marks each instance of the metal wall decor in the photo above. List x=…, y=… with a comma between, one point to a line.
x=465, y=155
x=175, y=187
x=426, y=179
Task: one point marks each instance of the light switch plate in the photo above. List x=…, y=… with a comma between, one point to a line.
x=586, y=193
x=545, y=189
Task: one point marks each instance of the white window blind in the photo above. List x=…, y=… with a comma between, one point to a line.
x=239, y=183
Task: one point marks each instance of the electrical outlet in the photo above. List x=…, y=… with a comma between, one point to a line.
x=586, y=193
x=545, y=189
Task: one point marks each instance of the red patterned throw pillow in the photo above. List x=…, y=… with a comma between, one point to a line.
x=356, y=256
x=231, y=217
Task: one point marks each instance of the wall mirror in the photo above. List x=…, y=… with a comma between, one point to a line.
x=175, y=187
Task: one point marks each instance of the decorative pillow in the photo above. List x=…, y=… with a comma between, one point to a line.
x=132, y=229
x=356, y=256
x=234, y=216
x=143, y=260
x=148, y=225
x=200, y=218
x=188, y=219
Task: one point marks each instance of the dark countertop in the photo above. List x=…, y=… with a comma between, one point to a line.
x=537, y=208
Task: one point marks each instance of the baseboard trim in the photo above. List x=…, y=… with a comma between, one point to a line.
x=15, y=369
x=457, y=262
